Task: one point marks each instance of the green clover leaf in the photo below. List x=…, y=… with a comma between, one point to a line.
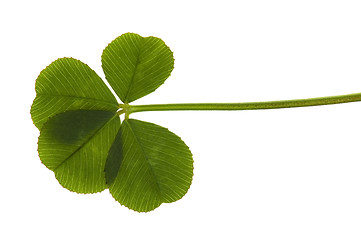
x=155, y=166
x=83, y=141
x=68, y=84
x=87, y=146
x=135, y=66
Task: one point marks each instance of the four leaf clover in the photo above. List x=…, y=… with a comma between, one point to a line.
x=87, y=146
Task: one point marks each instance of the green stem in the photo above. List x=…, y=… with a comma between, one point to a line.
x=246, y=105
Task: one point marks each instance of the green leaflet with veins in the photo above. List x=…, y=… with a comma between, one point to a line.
x=155, y=166
x=68, y=84
x=135, y=66
x=75, y=145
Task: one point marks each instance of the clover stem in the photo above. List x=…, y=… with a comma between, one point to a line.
x=124, y=108
x=120, y=112
x=245, y=105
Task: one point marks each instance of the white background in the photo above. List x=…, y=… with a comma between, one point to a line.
x=268, y=174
